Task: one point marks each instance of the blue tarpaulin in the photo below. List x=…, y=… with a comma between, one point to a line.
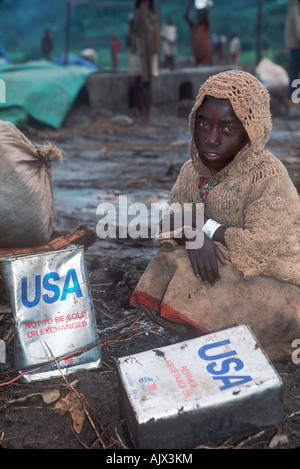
x=41, y=90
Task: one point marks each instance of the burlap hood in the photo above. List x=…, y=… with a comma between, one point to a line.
x=250, y=101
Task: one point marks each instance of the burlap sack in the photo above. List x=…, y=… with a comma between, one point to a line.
x=26, y=194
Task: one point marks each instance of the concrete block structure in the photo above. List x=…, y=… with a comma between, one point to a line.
x=113, y=90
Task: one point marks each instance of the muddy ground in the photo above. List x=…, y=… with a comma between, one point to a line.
x=105, y=156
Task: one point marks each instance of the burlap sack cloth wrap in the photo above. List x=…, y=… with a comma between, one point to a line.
x=258, y=203
x=26, y=194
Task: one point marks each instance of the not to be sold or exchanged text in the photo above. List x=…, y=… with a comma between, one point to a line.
x=150, y=458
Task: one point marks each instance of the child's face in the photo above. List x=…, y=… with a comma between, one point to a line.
x=219, y=134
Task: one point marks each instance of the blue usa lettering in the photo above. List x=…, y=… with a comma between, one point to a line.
x=220, y=369
x=71, y=285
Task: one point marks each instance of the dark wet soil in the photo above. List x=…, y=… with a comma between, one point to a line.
x=104, y=159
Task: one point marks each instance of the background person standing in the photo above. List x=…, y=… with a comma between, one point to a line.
x=292, y=40
x=169, y=39
x=47, y=45
x=145, y=45
x=200, y=35
x=235, y=49
x=115, y=47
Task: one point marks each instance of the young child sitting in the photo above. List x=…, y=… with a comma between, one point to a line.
x=246, y=269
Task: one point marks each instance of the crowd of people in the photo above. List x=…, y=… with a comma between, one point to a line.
x=205, y=49
x=150, y=45
x=146, y=41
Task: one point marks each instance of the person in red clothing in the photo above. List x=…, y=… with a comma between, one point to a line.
x=115, y=46
x=200, y=36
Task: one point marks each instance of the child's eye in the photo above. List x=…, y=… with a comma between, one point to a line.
x=229, y=129
x=203, y=124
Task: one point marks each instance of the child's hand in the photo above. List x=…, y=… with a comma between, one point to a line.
x=204, y=261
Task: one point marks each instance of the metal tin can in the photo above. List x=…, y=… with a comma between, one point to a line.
x=199, y=391
x=53, y=311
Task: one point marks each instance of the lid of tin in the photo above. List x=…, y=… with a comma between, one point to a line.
x=207, y=371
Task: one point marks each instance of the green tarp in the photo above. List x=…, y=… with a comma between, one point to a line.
x=41, y=90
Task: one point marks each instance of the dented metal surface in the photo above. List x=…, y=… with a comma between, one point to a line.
x=199, y=391
x=53, y=311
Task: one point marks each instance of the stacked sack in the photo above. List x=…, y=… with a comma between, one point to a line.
x=26, y=190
